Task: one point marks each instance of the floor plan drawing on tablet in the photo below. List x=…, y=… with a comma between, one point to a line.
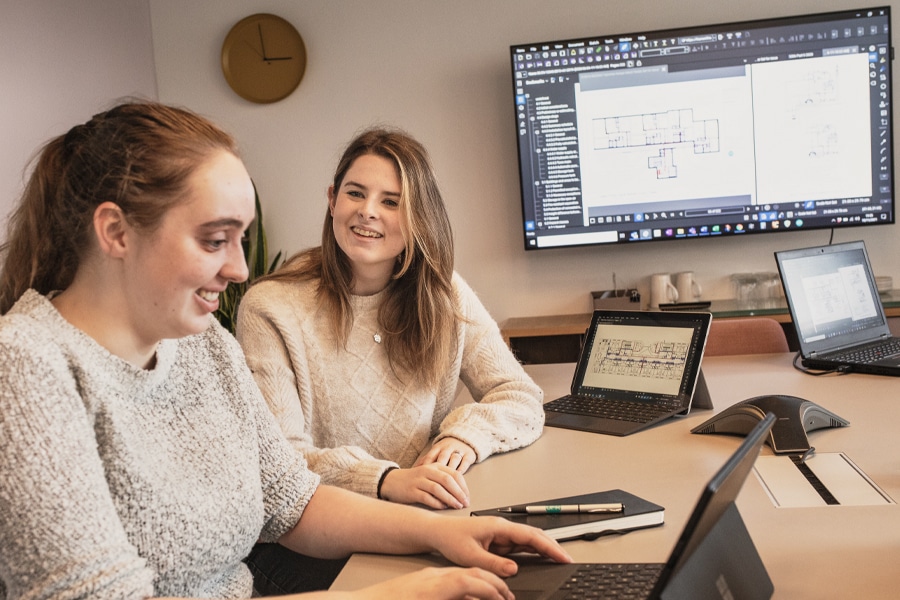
x=644, y=359
x=636, y=368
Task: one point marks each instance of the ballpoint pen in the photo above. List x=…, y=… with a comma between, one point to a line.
x=564, y=508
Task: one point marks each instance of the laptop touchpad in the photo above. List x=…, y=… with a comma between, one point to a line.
x=538, y=581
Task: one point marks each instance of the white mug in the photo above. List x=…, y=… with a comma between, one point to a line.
x=688, y=287
x=661, y=290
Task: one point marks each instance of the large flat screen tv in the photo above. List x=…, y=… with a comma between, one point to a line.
x=710, y=131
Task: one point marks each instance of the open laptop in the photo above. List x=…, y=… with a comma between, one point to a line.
x=636, y=368
x=834, y=304
x=714, y=557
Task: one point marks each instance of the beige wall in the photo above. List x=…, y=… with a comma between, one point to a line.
x=62, y=62
x=440, y=70
x=435, y=67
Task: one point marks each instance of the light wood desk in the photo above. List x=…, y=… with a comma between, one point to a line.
x=825, y=552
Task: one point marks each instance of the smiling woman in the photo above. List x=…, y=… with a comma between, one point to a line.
x=53, y=232
x=127, y=232
x=171, y=275
x=137, y=456
x=359, y=345
x=148, y=266
x=368, y=222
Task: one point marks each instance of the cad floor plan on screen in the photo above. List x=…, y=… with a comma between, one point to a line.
x=706, y=130
x=765, y=132
x=668, y=130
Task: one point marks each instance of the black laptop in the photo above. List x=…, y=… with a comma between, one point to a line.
x=636, y=368
x=836, y=310
x=714, y=557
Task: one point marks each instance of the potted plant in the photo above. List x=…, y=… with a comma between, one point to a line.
x=256, y=253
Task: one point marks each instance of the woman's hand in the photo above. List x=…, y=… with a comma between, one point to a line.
x=484, y=542
x=432, y=485
x=451, y=452
x=479, y=543
x=449, y=583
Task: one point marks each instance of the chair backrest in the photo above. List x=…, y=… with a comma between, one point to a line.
x=751, y=335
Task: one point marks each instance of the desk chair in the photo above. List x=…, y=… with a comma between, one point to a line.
x=752, y=335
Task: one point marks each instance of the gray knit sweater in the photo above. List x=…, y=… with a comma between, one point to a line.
x=345, y=409
x=119, y=482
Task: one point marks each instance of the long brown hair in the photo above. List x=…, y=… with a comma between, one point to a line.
x=139, y=155
x=419, y=315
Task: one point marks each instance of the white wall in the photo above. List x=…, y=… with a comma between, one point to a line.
x=62, y=62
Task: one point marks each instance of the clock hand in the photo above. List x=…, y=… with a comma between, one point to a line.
x=271, y=58
x=252, y=47
x=262, y=44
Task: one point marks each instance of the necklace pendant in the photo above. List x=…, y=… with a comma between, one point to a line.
x=377, y=338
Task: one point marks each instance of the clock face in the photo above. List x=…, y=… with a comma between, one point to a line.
x=263, y=58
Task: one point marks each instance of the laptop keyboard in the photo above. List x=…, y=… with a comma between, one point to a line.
x=604, y=580
x=619, y=410
x=872, y=353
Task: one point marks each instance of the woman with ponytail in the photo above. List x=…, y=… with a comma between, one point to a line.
x=137, y=456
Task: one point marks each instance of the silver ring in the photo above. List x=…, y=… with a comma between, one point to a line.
x=456, y=452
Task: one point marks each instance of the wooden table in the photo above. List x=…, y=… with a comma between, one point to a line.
x=810, y=553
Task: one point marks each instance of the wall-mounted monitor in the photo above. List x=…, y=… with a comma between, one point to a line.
x=709, y=131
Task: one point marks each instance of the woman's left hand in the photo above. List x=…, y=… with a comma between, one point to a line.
x=451, y=452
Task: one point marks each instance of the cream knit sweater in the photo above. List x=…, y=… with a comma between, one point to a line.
x=120, y=482
x=345, y=409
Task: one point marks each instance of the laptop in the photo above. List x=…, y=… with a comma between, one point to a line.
x=636, y=368
x=714, y=557
x=836, y=310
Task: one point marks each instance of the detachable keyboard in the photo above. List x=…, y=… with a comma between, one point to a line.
x=610, y=580
x=606, y=408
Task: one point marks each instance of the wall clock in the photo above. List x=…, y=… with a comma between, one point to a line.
x=263, y=58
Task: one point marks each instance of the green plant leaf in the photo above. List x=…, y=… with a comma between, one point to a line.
x=256, y=255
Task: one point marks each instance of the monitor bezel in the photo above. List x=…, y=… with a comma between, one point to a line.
x=526, y=202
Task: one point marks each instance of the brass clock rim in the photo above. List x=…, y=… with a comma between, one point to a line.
x=234, y=82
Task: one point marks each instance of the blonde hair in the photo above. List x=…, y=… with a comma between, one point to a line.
x=419, y=315
x=139, y=155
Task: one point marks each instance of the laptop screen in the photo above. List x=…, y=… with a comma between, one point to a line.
x=832, y=296
x=644, y=355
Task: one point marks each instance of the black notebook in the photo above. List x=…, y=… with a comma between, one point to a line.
x=637, y=514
